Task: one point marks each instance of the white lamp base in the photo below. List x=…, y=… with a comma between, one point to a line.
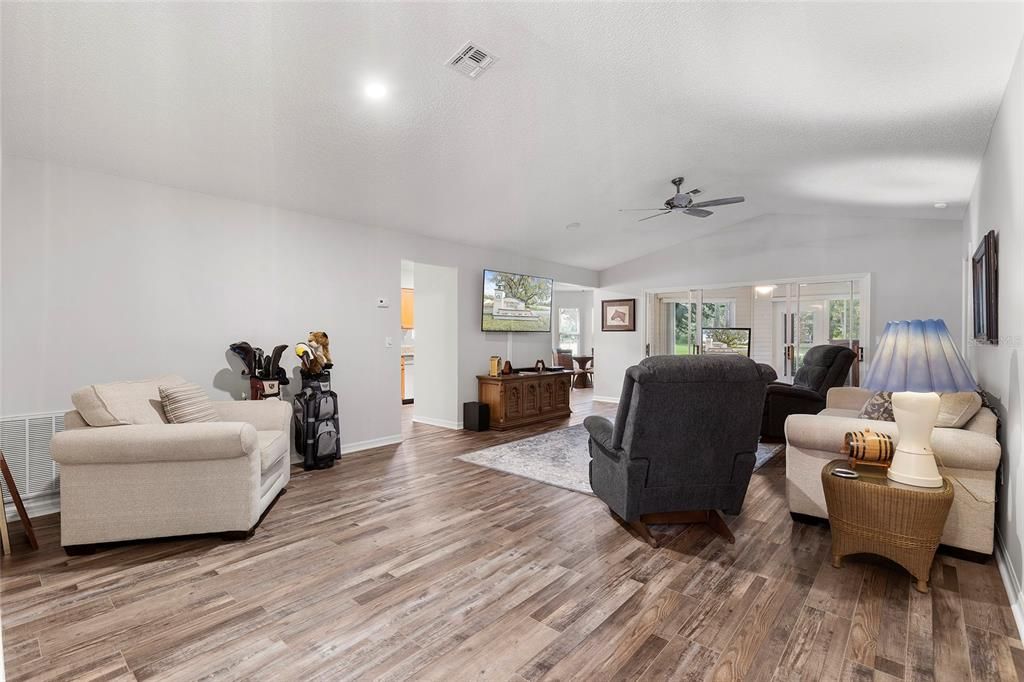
x=913, y=462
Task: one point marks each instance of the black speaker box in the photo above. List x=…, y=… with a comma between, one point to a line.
x=476, y=416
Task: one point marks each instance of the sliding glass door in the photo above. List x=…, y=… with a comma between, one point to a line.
x=701, y=321
x=686, y=321
x=676, y=320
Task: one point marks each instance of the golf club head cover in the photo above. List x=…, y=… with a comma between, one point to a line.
x=275, y=360
x=319, y=342
x=244, y=351
x=258, y=361
x=310, y=363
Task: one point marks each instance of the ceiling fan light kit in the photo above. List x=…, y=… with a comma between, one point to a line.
x=683, y=203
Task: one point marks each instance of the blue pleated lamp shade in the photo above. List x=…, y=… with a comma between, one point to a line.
x=918, y=356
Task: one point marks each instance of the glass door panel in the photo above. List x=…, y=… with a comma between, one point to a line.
x=784, y=330
x=727, y=320
x=685, y=319
x=829, y=313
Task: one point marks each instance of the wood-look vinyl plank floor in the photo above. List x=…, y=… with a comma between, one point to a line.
x=404, y=563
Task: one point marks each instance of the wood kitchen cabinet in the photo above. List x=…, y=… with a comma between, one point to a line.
x=407, y=309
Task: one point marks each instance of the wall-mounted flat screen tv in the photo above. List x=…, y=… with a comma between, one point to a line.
x=516, y=303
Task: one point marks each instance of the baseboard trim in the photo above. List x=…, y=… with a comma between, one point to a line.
x=1010, y=583
x=443, y=423
x=357, y=446
x=35, y=506
x=604, y=399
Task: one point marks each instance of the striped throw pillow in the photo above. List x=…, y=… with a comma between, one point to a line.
x=187, y=403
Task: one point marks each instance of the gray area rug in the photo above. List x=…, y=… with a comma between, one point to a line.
x=561, y=458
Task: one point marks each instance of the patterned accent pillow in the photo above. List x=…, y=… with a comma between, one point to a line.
x=187, y=403
x=878, y=407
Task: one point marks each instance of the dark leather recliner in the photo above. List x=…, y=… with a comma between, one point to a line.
x=683, y=443
x=824, y=367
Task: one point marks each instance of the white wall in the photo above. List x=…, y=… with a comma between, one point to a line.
x=106, y=278
x=437, y=346
x=915, y=267
x=584, y=301
x=998, y=203
x=408, y=280
x=2, y=510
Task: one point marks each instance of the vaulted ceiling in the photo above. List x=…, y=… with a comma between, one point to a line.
x=849, y=108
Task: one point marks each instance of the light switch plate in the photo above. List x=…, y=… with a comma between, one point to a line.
x=388, y=342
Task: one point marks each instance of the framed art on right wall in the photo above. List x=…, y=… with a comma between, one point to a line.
x=985, y=289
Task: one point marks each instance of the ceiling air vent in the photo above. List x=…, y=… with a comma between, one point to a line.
x=471, y=60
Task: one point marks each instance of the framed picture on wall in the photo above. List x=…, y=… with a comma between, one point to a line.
x=618, y=315
x=985, y=289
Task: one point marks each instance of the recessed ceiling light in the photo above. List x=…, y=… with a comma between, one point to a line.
x=572, y=227
x=375, y=90
x=941, y=204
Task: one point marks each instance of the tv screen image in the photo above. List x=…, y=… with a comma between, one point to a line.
x=725, y=340
x=516, y=303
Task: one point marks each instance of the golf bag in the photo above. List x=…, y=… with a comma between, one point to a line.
x=317, y=435
x=266, y=376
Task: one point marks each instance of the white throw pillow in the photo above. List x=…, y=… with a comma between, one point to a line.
x=123, y=402
x=186, y=404
x=956, y=409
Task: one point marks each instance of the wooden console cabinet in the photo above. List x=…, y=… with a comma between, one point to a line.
x=519, y=399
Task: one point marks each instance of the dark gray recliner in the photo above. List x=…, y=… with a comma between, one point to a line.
x=683, y=443
x=824, y=367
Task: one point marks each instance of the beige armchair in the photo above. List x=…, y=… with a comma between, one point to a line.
x=141, y=477
x=970, y=455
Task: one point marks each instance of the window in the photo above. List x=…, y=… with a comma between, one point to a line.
x=569, y=329
x=714, y=314
x=719, y=314
x=844, y=319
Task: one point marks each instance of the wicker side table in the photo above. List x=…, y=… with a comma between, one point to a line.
x=874, y=515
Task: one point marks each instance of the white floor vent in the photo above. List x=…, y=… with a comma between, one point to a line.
x=25, y=441
x=471, y=60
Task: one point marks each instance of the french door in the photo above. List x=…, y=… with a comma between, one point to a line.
x=811, y=314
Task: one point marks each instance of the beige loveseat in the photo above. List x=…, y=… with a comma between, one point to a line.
x=127, y=474
x=970, y=455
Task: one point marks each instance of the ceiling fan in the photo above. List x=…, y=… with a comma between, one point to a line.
x=683, y=202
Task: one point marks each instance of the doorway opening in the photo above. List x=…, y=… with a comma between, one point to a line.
x=572, y=337
x=429, y=386
x=408, y=324
x=774, y=323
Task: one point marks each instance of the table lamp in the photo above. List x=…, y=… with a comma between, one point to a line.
x=916, y=360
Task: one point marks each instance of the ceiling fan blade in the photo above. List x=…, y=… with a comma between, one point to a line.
x=660, y=208
x=699, y=212
x=654, y=216
x=718, y=202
